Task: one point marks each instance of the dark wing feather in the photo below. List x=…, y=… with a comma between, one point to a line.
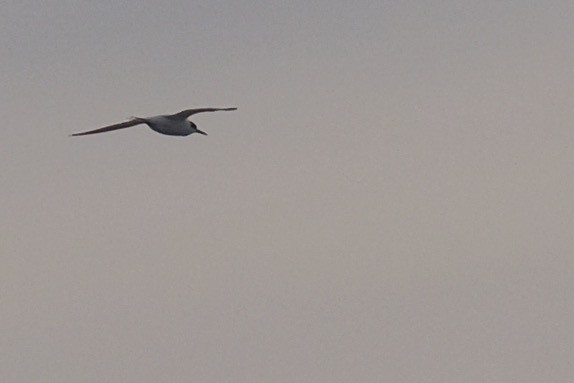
x=188, y=112
x=121, y=125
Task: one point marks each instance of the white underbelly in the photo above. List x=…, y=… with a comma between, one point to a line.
x=170, y=127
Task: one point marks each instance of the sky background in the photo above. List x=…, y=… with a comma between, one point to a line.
x=392, y=201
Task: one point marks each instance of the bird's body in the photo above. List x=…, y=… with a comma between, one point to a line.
x=171, y=125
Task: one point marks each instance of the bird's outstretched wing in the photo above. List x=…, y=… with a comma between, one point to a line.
x=121, y=125
x=188, y=112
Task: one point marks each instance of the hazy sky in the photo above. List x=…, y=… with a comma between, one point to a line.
x=392, y=202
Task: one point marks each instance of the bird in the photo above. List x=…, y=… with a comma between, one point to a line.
x=170, y=124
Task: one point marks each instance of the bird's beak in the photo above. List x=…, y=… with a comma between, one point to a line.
x=201, y=132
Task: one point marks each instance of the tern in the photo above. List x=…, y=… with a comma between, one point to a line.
x=170, y=124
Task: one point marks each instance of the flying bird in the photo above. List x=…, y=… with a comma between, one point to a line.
x=171, y=124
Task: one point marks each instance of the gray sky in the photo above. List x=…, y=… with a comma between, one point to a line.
x=392, y=202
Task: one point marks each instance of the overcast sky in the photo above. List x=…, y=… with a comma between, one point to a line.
x=391, y=202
